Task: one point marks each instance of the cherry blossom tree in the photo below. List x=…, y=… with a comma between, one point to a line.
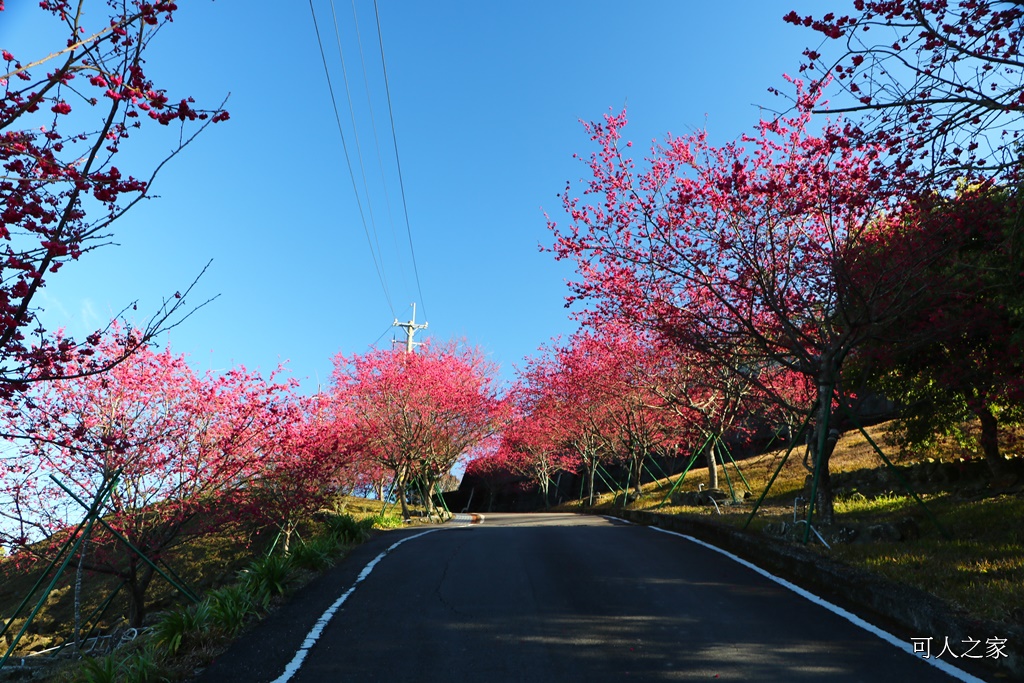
x=532, y=443
x=491, y=470
x=631, y=373
x=565, y=378
x=938, y=83
x=416, y=413
x=175, y=442
x=743, y=253
x=956, y=354
x=65, y=114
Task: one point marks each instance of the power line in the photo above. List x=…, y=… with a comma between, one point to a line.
x=376, y=140
x=355, y=188
x=398, y=162
x=359, y=147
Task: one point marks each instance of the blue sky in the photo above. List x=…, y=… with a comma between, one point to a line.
x=487, y=99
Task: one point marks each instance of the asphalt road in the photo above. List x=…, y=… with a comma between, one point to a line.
x=546, y=598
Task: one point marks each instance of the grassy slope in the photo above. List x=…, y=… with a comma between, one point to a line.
x=980, y=568
x=202, y=564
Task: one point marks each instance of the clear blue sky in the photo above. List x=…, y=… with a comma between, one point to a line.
x=487, y=99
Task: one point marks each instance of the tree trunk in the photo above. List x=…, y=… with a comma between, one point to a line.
x=989, y=441
x=402, y=493
x=78, y=591
x=139, y=578
x=823, y=442
x=712, y=465
x=427, y=494
x=639, y=473
x=286, y=532
x=591, y=473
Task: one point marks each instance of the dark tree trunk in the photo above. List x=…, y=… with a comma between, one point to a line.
x=139, y=577
x=822, y=444
x=990, y=441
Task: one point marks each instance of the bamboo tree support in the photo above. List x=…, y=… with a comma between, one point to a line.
x=792, y=444
x=437, y=487
x=725, y=449
x=625, y=487
x=427, y=502
x=651, y=475
x=96, y=615
x=177, y=577
x=899, y=475
x=142, y=556
x=277, y=537
x=608, y=480
x=716, y=450
x=391, y=491
x=664, y=474
x=67, y=551
x=682, y=476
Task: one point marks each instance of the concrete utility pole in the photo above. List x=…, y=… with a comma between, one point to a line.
x=410, y=329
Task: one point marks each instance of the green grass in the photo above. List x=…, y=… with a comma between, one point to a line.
x=859, y=504
x=233, y=572
x=979, y=568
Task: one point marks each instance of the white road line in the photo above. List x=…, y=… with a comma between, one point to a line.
x=835, y=609
x=321, y=623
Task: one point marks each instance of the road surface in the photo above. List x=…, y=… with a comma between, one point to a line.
x=554, y=598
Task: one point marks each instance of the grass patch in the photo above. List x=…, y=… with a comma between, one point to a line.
x=979, y=569
x=237, y=590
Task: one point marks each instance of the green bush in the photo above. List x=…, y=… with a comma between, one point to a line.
x=99, y=670
x=267, y=577
x=316, y=554
x=230, y=608
x=387, y=521
x=185, y=626
x=349, y=530
x=142, y=666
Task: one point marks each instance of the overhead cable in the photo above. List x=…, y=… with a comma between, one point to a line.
x=337, y=117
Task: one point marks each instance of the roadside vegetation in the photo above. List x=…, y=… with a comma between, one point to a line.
x=237, y=577
x=880, y=526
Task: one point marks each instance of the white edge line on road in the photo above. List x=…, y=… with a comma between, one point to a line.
x=835, y=609
x=321, y=623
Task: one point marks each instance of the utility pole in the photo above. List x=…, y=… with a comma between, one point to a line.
x=410, y=329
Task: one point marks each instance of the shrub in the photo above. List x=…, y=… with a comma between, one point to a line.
x=349, y=530
x=387, y=521
x=267, y=577
x=188, y=625
x=99, y=670
x=230, y=608
x=316, y=554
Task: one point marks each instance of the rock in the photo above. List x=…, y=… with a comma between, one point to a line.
x=843, y=534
